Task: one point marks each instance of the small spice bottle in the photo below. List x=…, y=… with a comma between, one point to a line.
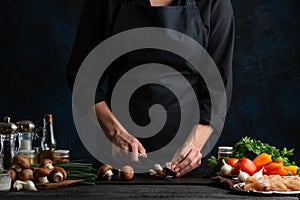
x=61, y=156
x=224, y=152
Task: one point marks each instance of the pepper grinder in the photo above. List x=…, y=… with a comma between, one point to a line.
x=8, y=139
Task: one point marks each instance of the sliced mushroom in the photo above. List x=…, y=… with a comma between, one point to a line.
x=105, y=172
x=162, y=171
x=126, y=173
x=25, y=175
x=47, y=163
x=58, y=174
x=18, y=163
x=41, y=174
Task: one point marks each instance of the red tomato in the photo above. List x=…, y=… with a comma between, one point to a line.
x=232, y=161
x=246, y=165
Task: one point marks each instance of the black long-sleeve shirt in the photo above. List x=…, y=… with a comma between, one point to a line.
x=98, y=18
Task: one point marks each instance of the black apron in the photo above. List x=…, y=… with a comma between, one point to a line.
x=182, y=16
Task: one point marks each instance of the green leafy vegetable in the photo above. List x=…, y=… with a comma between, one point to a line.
x=250, y=148
x=212, y=162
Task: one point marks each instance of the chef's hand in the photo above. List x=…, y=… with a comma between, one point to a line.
x=188, y=157
x=117, y=134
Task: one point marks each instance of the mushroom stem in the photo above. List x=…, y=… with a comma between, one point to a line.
x=49, y=166
x=58, y=177
x=17, y=168
x=18, y=185
x=158, y=167
x=43, y=179
x=29, y=185
x=108, y=174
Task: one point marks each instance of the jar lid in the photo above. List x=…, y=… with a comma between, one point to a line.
x=225, y=148
x=62, y=151
x=7, y=127
x=26, y=152
x=25, y=126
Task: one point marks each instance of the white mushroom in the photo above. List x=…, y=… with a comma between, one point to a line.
x=105, y=172
x=29, y=185
x=58, y=174
x=18, y=163
x=25, y=175
x=18, y=185
x=41, y=174
x=126, y=173
x=47, y=163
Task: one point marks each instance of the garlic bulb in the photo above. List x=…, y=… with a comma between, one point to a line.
x=243, y=176
x=226, y=169
x=259, y=173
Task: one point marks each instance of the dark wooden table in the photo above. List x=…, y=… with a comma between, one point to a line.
x=141, y=189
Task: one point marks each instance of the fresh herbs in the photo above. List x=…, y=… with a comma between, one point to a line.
x=250, y=148
x=212, y=162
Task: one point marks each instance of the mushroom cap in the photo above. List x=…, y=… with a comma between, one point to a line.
x=25, y=174
x=126, y=173
x=24, y=163
x=59, y=169
x=45, y=161
x=102, y=169
x=41, y=172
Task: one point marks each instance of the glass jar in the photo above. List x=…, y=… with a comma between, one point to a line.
x=30, y=155
x=224, y=152
x=26, y=134
x=61, y=156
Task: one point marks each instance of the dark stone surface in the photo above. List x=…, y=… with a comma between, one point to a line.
x=138, y=192
x=36, y=38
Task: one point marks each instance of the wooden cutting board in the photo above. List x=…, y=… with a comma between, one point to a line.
x=52, y=186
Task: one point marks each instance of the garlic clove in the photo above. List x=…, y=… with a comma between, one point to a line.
x=259, y=173
x=243, y=176
x=226, y=169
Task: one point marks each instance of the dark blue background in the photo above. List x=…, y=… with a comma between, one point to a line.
x=36, y=38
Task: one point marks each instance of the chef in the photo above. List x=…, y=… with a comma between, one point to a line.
x=209, y=22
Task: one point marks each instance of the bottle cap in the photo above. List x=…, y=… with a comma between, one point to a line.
x=48, y=117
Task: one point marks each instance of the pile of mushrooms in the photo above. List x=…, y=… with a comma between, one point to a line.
x=105, y=172
x=25, y=178
x=21, y=174
x=47, y=172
